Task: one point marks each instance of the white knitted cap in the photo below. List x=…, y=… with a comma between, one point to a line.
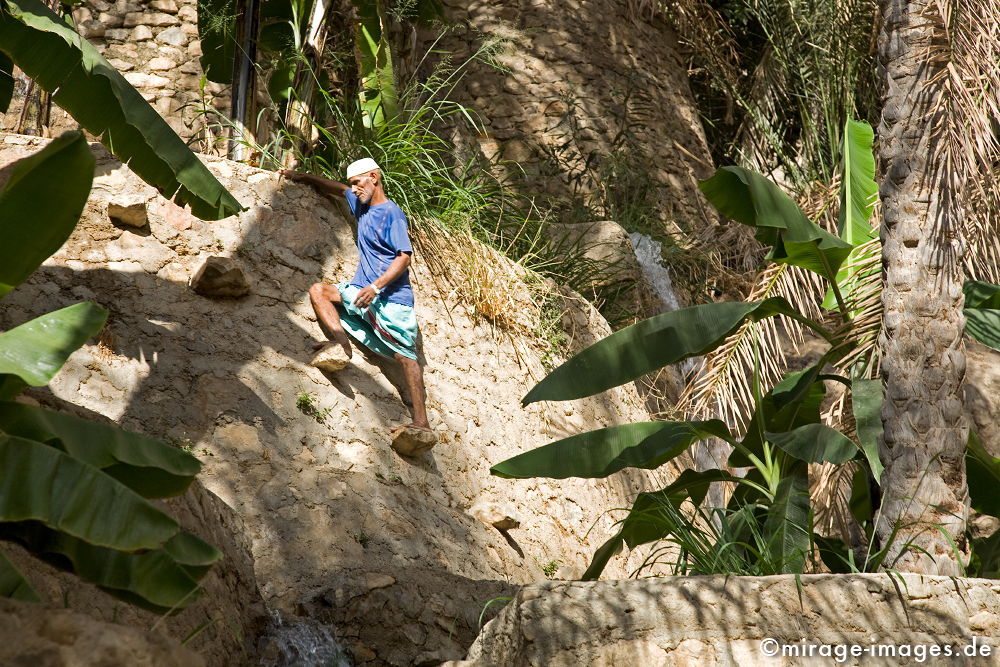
x=362, y=166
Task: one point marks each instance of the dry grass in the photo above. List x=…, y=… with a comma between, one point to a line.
x=521, y=307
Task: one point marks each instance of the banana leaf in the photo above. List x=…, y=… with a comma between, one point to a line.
x=36, y=350
x=836, y=555
x=858, y=194
x=149, y=467
x=751, y=199
x=793, y=402
x=789, y=524
x=13, y=584
x=982, y=312
x=858, y=189
x=160, y=580
x=41, y=203
x=815, y=443
x=982, y=471
x=605, y=451
x=647, y=521
x=41, y=483
x=102, y=101
x=866, y=402
x=377, y=75
x=653, y=343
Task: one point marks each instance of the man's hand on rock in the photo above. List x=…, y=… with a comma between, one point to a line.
x=364, y=297
x=291, y=175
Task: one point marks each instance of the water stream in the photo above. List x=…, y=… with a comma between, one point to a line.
x=648, y=252
x=300, y=642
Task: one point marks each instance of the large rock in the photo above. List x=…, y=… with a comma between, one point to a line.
x=331, y=358
x=133, y=215
x=736, y=621
x=220, y=276
x=603, y=242
x=410, y=441
x=982, y=393
x=36, y=635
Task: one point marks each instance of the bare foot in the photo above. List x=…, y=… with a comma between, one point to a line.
x=423, y=426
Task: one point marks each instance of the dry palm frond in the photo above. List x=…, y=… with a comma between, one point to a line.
x=830, y=491
x=860, y=335
x=724, y=384
x=964, y=144
x=982, y=261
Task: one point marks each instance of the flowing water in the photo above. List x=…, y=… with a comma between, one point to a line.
x=647, y=251
x=300, y=642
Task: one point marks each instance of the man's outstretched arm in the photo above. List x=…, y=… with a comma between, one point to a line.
x=324, y=185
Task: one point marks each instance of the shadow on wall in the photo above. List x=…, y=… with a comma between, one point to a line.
x=572, y=94
x=723, y=620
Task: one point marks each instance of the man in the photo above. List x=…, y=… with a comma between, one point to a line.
x=376, y=306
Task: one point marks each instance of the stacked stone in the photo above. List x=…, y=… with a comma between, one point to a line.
x=564, y=91
x=155, y=45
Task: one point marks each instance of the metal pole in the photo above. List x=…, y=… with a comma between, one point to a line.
x=244, y=81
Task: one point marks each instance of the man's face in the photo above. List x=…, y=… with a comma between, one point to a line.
x=364, y=186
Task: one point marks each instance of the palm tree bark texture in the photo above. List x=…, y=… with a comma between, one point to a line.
x=925, y=502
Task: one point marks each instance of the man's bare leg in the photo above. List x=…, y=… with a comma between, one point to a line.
x=415, y=383
x=323, y=298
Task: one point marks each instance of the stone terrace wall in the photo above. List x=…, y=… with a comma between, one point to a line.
x=574, y=72
x=154, y=44
x=391, y=551
x=723, y=620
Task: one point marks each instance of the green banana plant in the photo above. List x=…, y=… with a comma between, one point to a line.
x=73, y=492
x=770, y=506
x=982, y=312
x=83, y=83
x=767, y=521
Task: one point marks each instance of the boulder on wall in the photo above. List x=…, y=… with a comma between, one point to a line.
x=328, y=510
x=605, y=243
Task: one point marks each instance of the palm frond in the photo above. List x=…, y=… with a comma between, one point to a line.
x=964, y=145
x=723, y=384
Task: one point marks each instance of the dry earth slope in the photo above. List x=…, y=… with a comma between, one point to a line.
x=339, y=527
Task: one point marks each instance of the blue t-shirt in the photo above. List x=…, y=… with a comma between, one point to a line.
x=382, y=235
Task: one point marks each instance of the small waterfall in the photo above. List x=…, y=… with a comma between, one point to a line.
x=648, y=252
x=300, y=642
x=711, y=453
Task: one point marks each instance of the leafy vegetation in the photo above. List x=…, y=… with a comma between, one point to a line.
x=75, y=493
x=306, y=403
x=766, y=526
x=84, y=84
x=769, y=506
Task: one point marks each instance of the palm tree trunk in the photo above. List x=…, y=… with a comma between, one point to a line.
x=925, y=501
